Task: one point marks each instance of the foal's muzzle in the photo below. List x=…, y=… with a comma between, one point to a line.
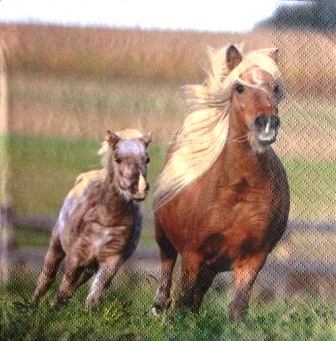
x=140, y=189
x=266, y=128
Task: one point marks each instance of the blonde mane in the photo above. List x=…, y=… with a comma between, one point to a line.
x=199, y=142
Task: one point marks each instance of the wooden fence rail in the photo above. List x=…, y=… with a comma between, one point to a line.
x=45, y=223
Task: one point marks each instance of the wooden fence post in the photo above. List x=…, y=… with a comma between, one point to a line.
x=6, y=217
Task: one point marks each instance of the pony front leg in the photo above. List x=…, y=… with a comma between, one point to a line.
x=190, y=271
x=245, y=275
x=68, y=283
x=103, y=279
x=168, y=256
x=84, y=277
x=204, y=281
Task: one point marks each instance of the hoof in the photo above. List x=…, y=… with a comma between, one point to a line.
x=91, y=303
x=156, y=311
x=237, y=314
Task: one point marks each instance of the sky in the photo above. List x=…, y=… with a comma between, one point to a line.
x=208, y=15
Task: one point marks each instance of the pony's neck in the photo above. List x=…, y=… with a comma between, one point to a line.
x=111, y=197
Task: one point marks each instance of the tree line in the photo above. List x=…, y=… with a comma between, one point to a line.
x=316, y=14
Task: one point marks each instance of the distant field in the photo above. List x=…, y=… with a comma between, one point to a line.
x=85, y=108
x=80, y=107
x=45, y=168
x=125, y=315
x=306, y=58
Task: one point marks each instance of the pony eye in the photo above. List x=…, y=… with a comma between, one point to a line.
x=117, y=160
x=239, y=88
x=147, y=159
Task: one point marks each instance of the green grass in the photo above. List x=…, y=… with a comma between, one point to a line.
x=44, y=170
x=32, y=239
x=124, y=315
x=312, y=185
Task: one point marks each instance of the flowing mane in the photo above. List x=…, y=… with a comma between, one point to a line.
x=198, y=144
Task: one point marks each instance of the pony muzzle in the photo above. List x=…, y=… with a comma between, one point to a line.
x=142, y=188
x=265, y=128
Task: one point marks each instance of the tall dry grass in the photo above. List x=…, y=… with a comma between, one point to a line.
x=307, y=58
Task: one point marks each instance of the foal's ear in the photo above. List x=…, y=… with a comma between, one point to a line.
x=233, y=57
x=112, y=139
x=146, y=139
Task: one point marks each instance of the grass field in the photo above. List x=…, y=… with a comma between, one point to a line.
x=44, y=170
x=306, y=58
x=84, y=108
x=125, y=315
x=68, y=85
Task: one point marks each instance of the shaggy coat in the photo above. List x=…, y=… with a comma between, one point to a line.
x=100, y=222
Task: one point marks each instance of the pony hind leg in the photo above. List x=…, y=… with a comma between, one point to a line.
x=245, y=273
x=168, y=256
x=54, y=256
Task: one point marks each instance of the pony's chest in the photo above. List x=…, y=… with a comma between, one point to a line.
x=108, y=217
x=105, y=241
x=244, y=191
x=240, y=199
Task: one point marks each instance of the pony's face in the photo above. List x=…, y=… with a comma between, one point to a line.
x=129, y=163
x=255, y=99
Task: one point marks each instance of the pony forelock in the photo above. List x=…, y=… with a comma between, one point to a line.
x=199, y=142
x=105, y=151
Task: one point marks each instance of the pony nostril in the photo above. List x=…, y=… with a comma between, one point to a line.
x=260, y=122
x=275, y=122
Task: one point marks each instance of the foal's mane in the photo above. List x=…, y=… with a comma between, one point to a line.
x=198, y=144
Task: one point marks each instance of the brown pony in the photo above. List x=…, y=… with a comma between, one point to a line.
x=222, y=198
x=99, y=225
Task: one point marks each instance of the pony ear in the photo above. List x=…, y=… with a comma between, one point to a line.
x=272, y=53
x=112, y=139
x=146, y=139
x=233, y=57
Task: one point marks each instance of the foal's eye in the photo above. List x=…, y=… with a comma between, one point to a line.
x=239, y=88
x=117, y=160
x=147, y=160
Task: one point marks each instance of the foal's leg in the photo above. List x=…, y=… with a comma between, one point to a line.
x=191, y=267
x=246, y=273
x=168, y=257
x=84, y=277
x=68, y=284
x=103, y=279
x=52, y=261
